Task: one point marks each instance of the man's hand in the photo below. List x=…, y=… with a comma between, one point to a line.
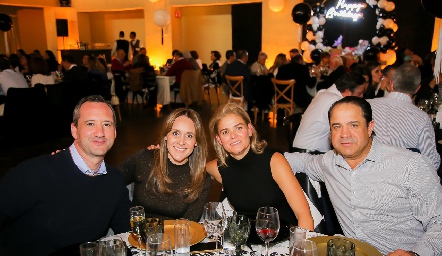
x=401, y=253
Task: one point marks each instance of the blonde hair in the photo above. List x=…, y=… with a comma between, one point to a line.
x=281, y=59
x=197, y=159
x=222, y=111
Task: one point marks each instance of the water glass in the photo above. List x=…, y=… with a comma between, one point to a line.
x=228, y=246
x=304, y=247
x=340, y=247
x=239, y=230
x=111, y=247
x=89, y=249
x=296, y=234
x=152, y=227
x=158, y=245
x=181, y=229
x=214, y=220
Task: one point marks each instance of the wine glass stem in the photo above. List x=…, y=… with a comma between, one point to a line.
x=216, y=245
x=267, y=248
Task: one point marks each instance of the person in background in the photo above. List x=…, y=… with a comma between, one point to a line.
x=239, y=68
x=85, y=62
x=119, y=63
x=180, y=64
x=379, y=83
x=171, y=181
x=230, y=58
x=40, y=69
x=51, y=60
x=123, y=44
x=246, y=167
x=142, y=51
x=135, y=44
x=196, y=56
x=72, y=73
x=383, y=195
x=188, y=56
x=96, y=69
x=335, y=71
x=281, y=59
x=9, y=78
x=24, y=65
x=259, y=67
x=68, y=198
x=14, y=60
x=21, y=52
x=293, y=52
x=37, y=54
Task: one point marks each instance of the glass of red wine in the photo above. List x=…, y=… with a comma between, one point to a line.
x=267, y=225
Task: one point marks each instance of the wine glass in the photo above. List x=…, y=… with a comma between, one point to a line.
x=111, y=247
x=151, y=227
x=304, y=247
x=158, y=245
x=137, y=222
x=239, y=230
x=214, y=220
x=267, y=225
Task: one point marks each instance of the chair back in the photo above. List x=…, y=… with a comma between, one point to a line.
x=292, y=123
x=283, y=97
x=191, y=87
x=236, y=86
x=135, y=79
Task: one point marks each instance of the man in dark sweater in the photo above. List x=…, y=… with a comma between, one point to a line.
x=54, y=201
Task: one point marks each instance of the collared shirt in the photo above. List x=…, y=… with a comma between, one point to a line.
x=392, y=199
x=398, y=122
x=81, y=164
x=258, y=69
x=72, y=65
x=313, y=132
x=9, y=78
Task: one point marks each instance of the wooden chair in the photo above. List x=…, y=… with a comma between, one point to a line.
x=135, y=84
x=236, y=90
x=283, y=97
x=211, y=81
x=191, y=87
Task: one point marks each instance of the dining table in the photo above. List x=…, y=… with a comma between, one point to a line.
x=164, y=93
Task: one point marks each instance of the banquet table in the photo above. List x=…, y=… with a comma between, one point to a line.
x=164, y=83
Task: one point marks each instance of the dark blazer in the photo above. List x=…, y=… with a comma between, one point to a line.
x=237, y=68
x=302, y=78
x=75, y=75
x=331, y=79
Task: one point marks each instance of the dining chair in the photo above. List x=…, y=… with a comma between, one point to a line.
x=283, y=97
x=134, y=79
x=263, y=92
x=211, y=82
x=236, y=86
x=191, y=87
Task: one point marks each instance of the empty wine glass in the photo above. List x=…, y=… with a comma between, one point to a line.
x=267, y=225
x=239, y=230
x=214, y=220
x=158, y=245
x=304, y=247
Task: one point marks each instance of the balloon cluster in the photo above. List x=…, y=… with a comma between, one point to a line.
x=313, y=46
x=386, y=26
x=5, y=22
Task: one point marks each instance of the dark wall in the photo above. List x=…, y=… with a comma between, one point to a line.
x=247, y=29
x=415, y=26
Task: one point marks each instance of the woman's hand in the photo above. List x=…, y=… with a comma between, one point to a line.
x=385, y=84
x=151, y=147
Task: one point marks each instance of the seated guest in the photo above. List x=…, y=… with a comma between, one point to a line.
x=72, y=74
x=24, y=64
x=9, y=78
x=68, y=198
x=280, y=60
x=336, y=70
x=259, y=67
x=374, y=88
x=180, y=64
x=171, y=181
x=119, y=64
x=324, y=64
x=51, y=60
x=215, y=67
x=40, y=69
x=293, y=52
x=246, y=168
x=85, y=62
x=196, y=57
x=351, y=60
x=230, y=57
x=313, y=131
x=399, y=122
x=386, y=196
x=142, y=51
x=96, y=69
x=239, y=68
x=14, y=60
x=301, y=74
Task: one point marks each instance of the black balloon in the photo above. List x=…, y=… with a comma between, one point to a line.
x=392, y=15
x=313, y=42
x=5, y=22
x=315, y=55
x=322, y=9
x=389, y=31
x=309, y=27
x=433, y=7
x=316, y=9
x=301, y=13
x=320, y=28
x=371, y=53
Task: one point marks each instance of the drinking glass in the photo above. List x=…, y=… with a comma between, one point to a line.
x=304, y=247
x=181, y=228
x=340, y=247
x=296, y=234
x=267, y=225
x=89, y=249
x=214, y=220
x=239, y=230
x=151, y=227
x=111, y=247
x=158, y=245
x=137, y=222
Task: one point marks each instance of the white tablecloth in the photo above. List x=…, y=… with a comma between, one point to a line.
x=164, y=83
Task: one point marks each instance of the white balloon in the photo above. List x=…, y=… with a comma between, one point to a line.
x=315, y=26
x=319, y=40
x=388, y=23
x=321, y=20
x=311, y=48
x=310, y=36
x=390, y=6
x=315, y=20
x=382, y=3
x=306, y=57
x=381, y=21
x=383, y=40
x=161, y=17
x=319, y=46
x=375, y=40
x=304, y=45
x=310, y=21
x=319, y=34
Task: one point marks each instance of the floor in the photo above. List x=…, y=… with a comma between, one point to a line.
x=139, y=128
